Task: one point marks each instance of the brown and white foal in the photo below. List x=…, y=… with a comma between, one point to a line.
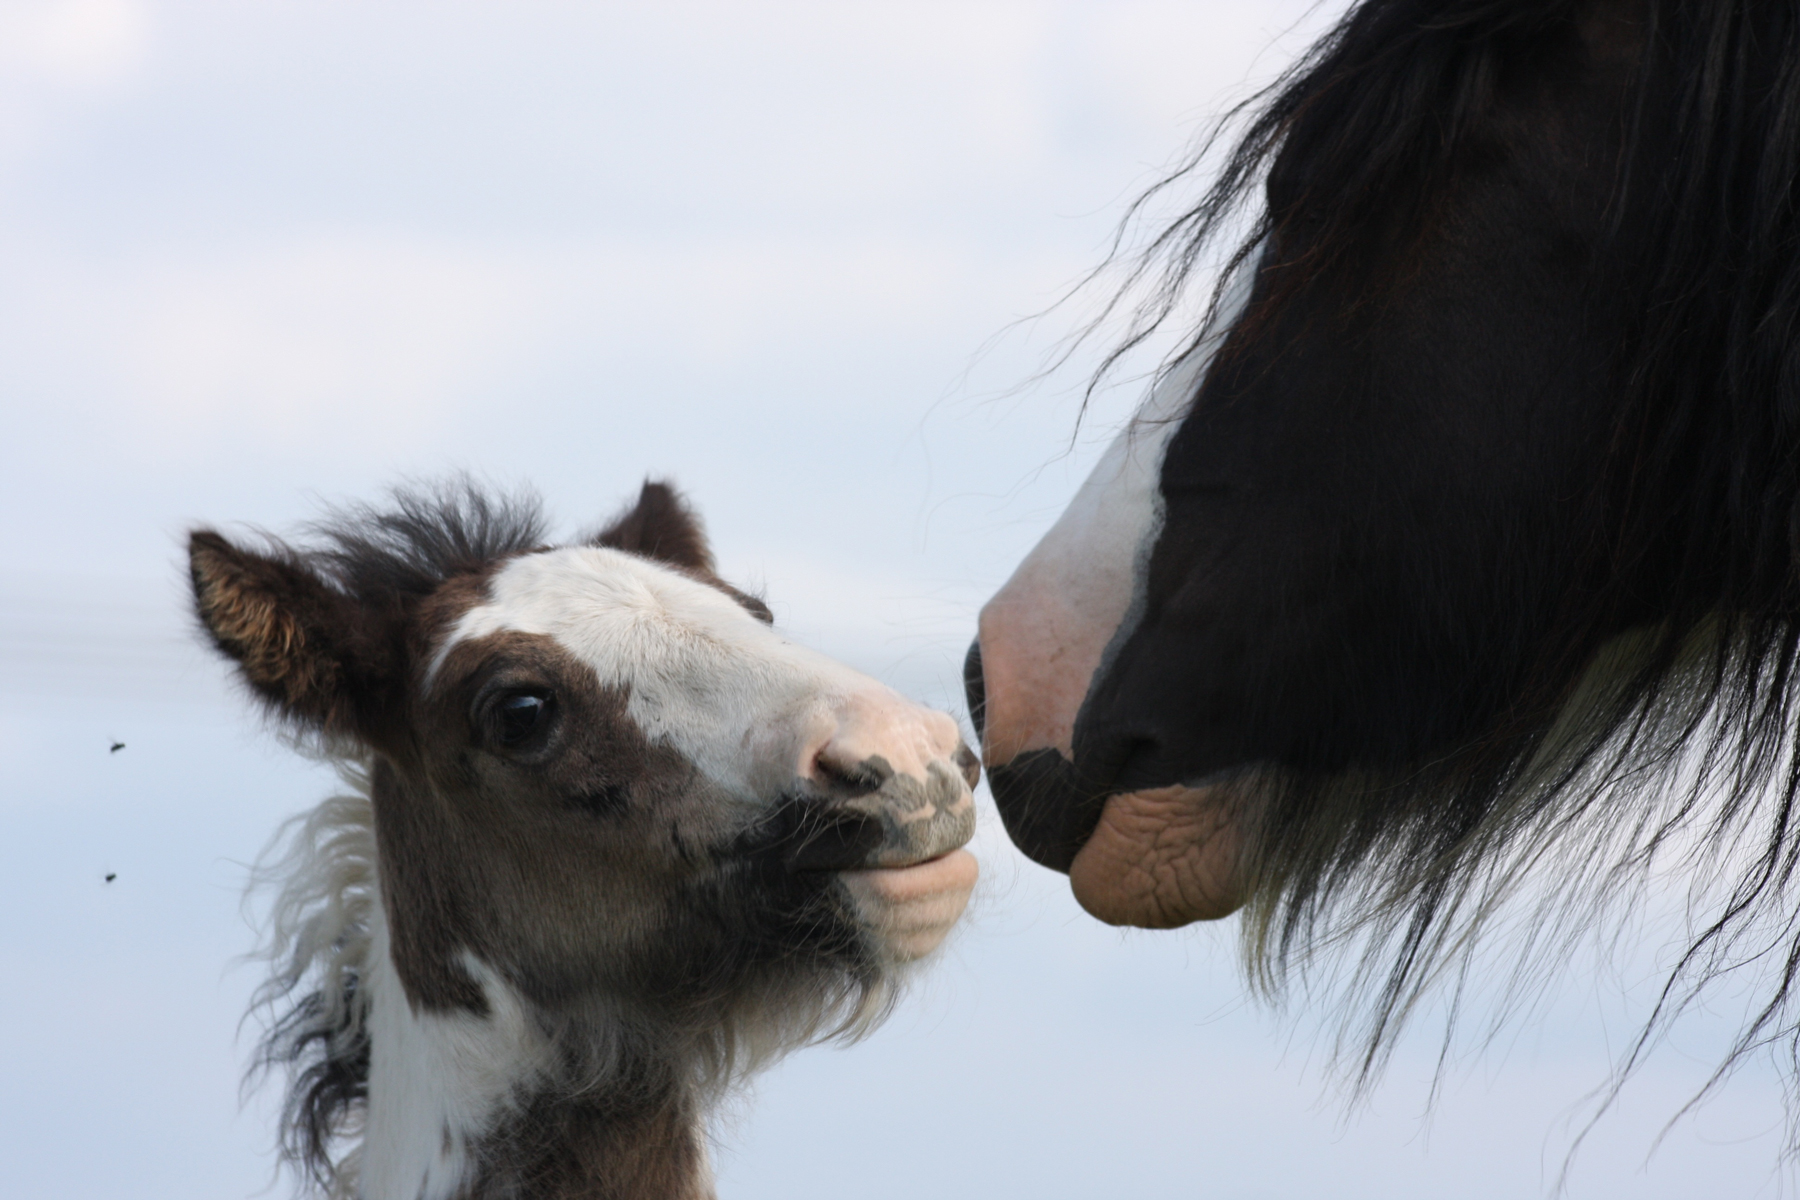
x=614, y=841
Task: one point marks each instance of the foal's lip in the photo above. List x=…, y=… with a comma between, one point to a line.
x=950, y=873
x=907, y=866
x=906, y=823
x=912, y=908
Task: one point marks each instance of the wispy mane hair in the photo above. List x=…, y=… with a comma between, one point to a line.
x=1672, y=747
x=314, y=1006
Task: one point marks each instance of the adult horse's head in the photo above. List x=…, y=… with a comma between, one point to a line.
x=1478, y=496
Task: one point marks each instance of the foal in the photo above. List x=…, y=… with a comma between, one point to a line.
x=613, y=841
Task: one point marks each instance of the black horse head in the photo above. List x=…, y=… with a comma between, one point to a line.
x=1467, y=533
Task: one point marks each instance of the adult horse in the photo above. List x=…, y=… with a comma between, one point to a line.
x=1462, y=540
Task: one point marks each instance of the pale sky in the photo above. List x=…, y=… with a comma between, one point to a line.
x=256, y=257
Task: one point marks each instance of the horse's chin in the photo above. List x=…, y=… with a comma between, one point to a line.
x=911, y=908
x=1161, y=858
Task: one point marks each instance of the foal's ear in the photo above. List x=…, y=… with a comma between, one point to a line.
x=300, y=644
x=660, y=526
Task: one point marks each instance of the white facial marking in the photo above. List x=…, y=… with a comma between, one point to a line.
x=1045, y=633
x=746, y=706
x=437, y=1081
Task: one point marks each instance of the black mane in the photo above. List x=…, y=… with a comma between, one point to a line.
x=1677, y=740
x=426, y=535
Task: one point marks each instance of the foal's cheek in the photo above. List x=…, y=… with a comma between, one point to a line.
x=911, y=909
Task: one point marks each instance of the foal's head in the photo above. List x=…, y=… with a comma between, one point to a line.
x=607, y=795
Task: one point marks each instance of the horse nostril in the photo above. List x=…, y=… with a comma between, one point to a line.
x=975, y=690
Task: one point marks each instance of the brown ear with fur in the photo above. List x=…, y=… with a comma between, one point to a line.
x=300, y=644
x=660, y=526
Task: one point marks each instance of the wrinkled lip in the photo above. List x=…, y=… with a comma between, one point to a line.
x=1138, y=850
x=1160, y=858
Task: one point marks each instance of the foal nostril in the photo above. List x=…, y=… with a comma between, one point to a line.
x=847, y=778
x=969, y=763
x=975, y=690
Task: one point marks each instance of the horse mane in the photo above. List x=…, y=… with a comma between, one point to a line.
x=1402, y=79
x=317, y=940
x=1671, y=746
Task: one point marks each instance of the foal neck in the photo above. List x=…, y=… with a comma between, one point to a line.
x=574, y=1147
x=466, y=1106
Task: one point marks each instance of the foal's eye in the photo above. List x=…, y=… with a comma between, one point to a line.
x=520, y=715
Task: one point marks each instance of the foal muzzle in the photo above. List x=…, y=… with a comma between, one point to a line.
x=886, y=820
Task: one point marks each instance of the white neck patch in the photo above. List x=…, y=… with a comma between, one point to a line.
x=438, y=1082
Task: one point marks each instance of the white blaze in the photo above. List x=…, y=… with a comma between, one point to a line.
x=1047, y=630
x=741, y=702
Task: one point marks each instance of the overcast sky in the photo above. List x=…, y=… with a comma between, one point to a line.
x=256, y=257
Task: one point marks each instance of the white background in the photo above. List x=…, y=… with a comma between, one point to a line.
x=257, y=256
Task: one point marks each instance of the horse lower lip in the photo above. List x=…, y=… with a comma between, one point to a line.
x=1161, y=858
